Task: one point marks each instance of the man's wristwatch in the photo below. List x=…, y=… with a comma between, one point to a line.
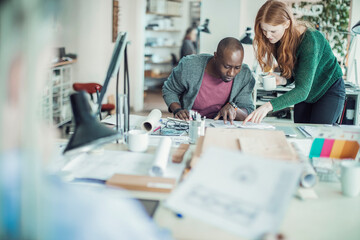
x=233, y=105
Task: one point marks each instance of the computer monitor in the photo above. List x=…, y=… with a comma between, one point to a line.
x=120, y=45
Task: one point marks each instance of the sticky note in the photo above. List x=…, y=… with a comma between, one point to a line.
x=350, y=149
x=337, y=148
x=326, y=149
x=316, y=147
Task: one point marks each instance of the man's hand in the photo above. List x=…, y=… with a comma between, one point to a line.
x=179, y=112
x=227, y=112
x=258, y=115
x=183, y=114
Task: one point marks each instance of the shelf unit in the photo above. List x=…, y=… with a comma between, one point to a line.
x=163, y=37
x=56, y=109
x=262, y=96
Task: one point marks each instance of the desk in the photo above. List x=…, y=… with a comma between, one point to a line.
x=332, y=216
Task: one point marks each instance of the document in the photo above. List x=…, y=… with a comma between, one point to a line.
x=238, y=124
x=105, y=164
x=248, y=196
x=135, y=120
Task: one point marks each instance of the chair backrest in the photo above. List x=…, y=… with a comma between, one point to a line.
x=88, y=87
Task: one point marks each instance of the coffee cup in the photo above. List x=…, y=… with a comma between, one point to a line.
x=269, y=82
x=350, y=178
x=138, y=140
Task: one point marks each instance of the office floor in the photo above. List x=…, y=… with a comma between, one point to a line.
x=153, y=99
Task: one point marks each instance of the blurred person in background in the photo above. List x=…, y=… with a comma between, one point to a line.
x=189, y=46
x=33, y=204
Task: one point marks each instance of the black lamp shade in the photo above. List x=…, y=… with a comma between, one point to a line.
x=247, y=38
x=89, y=132
x=356, y=28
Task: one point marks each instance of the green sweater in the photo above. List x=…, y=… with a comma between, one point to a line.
x=315, y=71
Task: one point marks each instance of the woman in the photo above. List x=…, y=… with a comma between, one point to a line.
x=304, y=56
x=189, y=43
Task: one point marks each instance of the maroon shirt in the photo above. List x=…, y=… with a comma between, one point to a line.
x=214, y=93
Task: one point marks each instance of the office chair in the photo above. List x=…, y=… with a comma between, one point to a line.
x=92, y=88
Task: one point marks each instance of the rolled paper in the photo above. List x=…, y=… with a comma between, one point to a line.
x=152, y=120
x=308, y=177
x=161, y=157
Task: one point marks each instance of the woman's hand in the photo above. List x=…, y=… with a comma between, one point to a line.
x=258, y=115
x=279, y=79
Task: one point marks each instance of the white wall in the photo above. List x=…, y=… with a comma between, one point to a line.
x=132, y=20
x=85, y=28
x=224, y=22
x=228, y=19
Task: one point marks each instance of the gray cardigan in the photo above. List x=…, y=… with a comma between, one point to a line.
x=184, y=83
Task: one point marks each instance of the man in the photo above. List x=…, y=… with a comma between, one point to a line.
x=215, y=86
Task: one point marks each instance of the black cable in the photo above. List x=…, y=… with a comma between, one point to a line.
x=127, y=88
x=117, y=102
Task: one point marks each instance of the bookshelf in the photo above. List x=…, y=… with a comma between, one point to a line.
x=163, y=38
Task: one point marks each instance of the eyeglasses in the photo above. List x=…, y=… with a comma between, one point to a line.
x=176, y=125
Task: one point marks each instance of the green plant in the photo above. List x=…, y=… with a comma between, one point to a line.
x=333, y=21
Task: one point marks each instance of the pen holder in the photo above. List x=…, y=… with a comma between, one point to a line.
x=194, y=131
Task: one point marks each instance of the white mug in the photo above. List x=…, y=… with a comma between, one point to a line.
x=138, y=140
x=269, y=82
x=350, y=178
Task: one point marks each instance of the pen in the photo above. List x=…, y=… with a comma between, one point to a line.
x=157, y=128
x=178, y=215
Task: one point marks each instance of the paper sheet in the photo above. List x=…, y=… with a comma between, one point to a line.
x=135, y=120
x=247, y=197
x=176, y=140
x=104, y=164
x=238, y=124
x=152, y=120
x=161, y=157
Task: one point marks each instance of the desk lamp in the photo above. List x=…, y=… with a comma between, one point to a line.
x=356, y=28
x=203, y=28
x=89, y=132
x=248, y=41
x=247, y=38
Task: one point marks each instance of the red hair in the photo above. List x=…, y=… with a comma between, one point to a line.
x=275, y=13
